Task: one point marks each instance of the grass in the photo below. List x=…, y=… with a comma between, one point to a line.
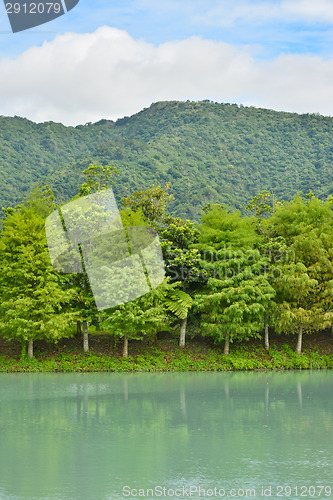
x=154, y=359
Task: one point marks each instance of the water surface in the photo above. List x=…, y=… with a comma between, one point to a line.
x=115, y=436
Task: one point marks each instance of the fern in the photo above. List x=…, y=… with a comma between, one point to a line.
x=179, y=303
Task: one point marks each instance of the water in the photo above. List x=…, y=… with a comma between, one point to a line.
x=115, y=436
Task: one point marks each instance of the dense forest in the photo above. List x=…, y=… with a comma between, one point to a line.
x=232, y=276
x=207, y=152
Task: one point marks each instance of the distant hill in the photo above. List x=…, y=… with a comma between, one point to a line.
x=208, y=152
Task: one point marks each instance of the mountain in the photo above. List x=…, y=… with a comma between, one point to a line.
x=208, y=152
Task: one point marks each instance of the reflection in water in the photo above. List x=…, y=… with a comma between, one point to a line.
x=182, y=400
x=226, y=389
x=85, y=436
x=299, y=393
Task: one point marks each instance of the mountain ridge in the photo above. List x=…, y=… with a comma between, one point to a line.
x=208, y=152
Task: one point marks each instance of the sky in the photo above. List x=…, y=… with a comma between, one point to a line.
x=110, y=58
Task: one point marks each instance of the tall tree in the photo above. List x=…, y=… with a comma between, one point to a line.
x=152, y=203
x=304, y=288
x=177, y=237
x=182, y=266
x=97, y=177
x=137, y=318
x=87, y=218
x=33, y=301
x=234, y=300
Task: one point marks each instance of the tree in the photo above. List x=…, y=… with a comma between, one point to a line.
x=137, y=318
x=87, y=218
x=233, y=312
x=234, y=300
x=299, y=308
x=97, y=177
x=179, y=303
x=263, y=204
x=34, y=303
x=152, y=203
x=177, y=236
x=304, y=289
x=182, y=266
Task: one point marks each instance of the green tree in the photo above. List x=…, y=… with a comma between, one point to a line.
x=33, y=301
x=180, y=302
x=88, y=218
x=299, y=309
x=304, y=289
x=152, y=203
x=263, y=204
x=177, y=236
x=233, y=302
x=182, y=266
x=97, y=177
x=137, y=318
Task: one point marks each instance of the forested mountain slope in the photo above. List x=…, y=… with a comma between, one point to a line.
x=208, y=152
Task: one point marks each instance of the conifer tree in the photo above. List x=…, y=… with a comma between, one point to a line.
x=304, y=290
x=33, y=301
x=233, y=301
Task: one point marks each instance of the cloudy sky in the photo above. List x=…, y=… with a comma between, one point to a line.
x=111, y=58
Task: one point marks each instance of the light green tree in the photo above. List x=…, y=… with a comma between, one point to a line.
x=97, y=177
x=152, y=203
x=34, y=304
x=304, y=289
x=182, y=266
x=87, y=218
x=234, y=300
x=135, y=319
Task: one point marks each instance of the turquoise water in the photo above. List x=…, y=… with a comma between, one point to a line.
x=186, y=435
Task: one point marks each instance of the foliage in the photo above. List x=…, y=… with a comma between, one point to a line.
x=151, y=202
x=304, y=287
x=234, y=300
x=239, y=273
x=97, y=177
x=178, y=302
x=142, y=316
x=207, y=152
x=32, y=297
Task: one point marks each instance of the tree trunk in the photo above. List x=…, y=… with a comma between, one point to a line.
x=125, y=348
x=78, y=328
x=226, y=344
x=182, y=332
x=299, y=340
x=30, y=348
x=266, y=337
x=85, y=336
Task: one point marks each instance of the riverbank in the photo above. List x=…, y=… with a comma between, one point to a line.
x=198, y=355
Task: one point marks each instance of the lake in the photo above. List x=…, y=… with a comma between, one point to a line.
x=178, y=435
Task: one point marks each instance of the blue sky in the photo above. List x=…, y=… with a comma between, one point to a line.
x=276, y=54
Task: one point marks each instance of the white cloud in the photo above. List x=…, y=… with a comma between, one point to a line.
x=310, y=10
x=107, y=74
x=259, y=12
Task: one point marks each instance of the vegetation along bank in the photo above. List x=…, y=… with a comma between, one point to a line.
x=232, y=280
